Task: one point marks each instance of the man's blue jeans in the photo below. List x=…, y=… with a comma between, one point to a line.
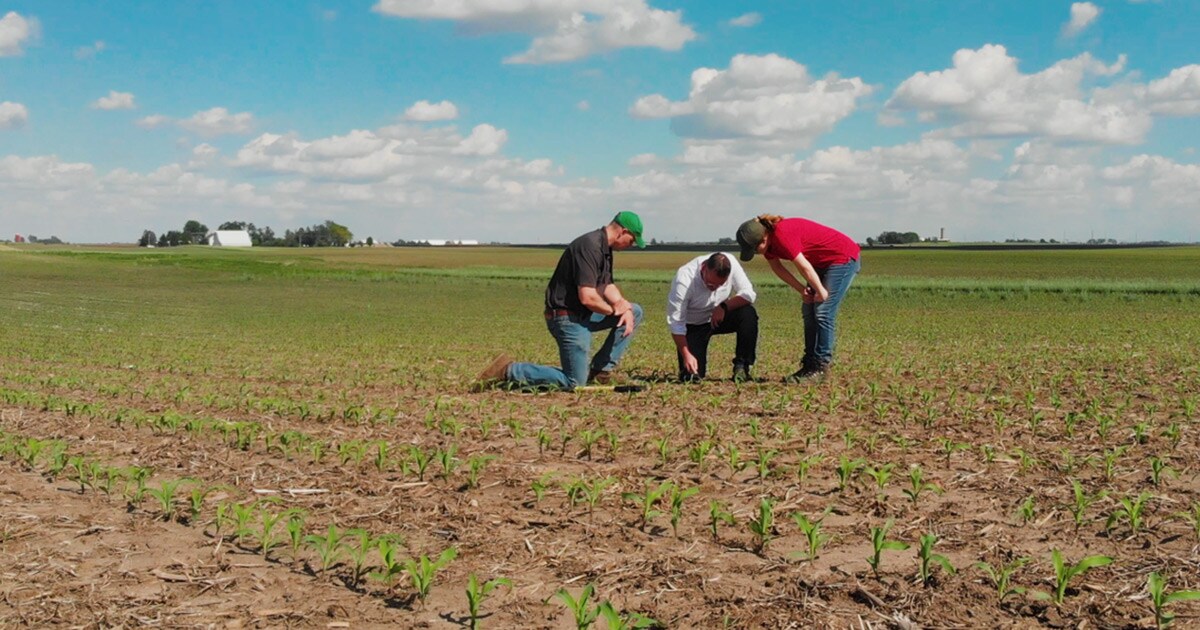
x=820, y=318
x=574, y=336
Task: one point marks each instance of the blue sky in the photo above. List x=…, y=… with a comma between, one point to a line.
x=535, y=121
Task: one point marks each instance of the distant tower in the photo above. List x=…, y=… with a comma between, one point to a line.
x=942, y=235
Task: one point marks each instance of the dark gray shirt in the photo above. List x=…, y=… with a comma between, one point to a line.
x=587, y=262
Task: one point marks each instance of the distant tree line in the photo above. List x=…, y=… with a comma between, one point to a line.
x=894, y=238
x=53, y=240
x=327, y=234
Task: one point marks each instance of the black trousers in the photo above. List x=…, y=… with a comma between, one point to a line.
x=743, y=322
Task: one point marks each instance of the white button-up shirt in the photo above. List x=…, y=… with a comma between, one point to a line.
x=690, y=302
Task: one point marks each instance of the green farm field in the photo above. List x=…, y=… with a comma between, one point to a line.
x=262, y=438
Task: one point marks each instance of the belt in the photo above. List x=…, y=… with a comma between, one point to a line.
x=551, y=313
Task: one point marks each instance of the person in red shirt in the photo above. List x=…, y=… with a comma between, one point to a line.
x=827, y=261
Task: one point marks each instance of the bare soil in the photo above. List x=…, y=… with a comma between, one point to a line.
x=85, y=558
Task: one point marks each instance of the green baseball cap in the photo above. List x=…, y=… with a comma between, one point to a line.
x=749, y=235
x=633, y=223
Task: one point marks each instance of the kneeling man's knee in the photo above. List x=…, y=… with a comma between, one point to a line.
x=637, y=313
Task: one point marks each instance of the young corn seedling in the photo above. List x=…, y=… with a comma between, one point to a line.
x=733, y=457
x=478, y=593
x=812, y=531
x=540, y=485
x=763, y=463
x=585, y=614
x=196, y=500
x=631, y=621
x=1071, y=462
x=1160, y=598
x=1026, y=510
x=805, y=465
x=268, y=537
x=445, y=457
x=880, y=544
x=1002, y=577
x=422, y=570
x=847, y=470
x=421, y=459
x=950, y=447
x=295, y=532
x=718, y=514
x=1083, y=501
x=475, y=466
x=1193, y=518
x=614, y=444
x=763, y=526
x=926, y=556
x=589, y=437
x=918, y=485
x=676, y=498
x=594, y=490
x=328, y=547
x=647, y=501
x=1141, y=433
x=574, y=491
x=388, y=546
x=698, y=453
x=362, y=544
x=1025, y=461
x=136, y=476
x=881, y=475
x=84, y=472
x=1063, y=573
x=1110, y=461
x=165, y=493
x=1130, y=509
x=241, y=517
x=663, y=447
x=383, y=457
x=849, y=438
x=56, y=458
x=1158, y=467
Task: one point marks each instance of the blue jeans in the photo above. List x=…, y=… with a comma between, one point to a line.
x=574, y=336
x=820, y=318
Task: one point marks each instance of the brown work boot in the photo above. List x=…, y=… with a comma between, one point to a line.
x=808, y=375
x=606, y=377
x=495, y=373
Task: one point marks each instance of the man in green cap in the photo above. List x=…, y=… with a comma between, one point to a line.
x=581, y=299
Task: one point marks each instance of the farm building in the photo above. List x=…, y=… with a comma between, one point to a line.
x=229, y=238
x=441, y=242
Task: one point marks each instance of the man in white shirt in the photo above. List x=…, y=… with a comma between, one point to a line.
x=711, y=295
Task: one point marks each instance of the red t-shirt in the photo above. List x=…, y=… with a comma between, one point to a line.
x=823, y=246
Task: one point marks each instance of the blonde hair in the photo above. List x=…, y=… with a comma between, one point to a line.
x=769, y=221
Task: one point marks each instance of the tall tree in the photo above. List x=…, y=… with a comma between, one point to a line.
x=194, y=231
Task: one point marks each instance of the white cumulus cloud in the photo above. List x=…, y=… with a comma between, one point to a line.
x=747, y=20
x=15, y=32
x=217, y=121
x=424, y=111
x=768, y=98
x=562, y=30
x=1082, y=16
x=114, y=100
x=985, y=95
x=89, y=52
x=1177, y=94
x=13, y=115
